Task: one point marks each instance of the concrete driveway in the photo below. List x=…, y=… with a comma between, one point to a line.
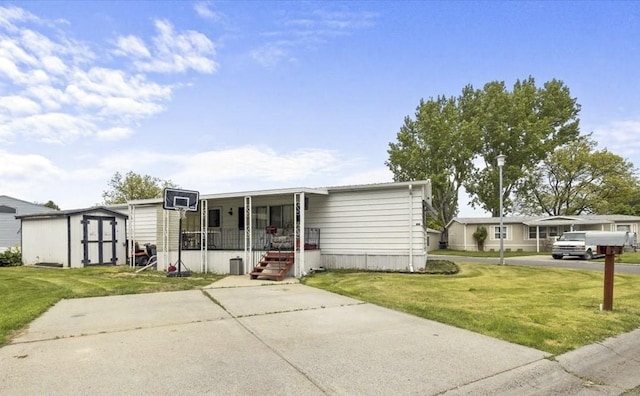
x=282, y=339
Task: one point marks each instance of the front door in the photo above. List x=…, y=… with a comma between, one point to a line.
x=99, y=240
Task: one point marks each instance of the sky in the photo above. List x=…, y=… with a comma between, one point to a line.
x=229, y=96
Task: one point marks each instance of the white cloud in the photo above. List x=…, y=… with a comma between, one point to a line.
x=258, y=162
x=172, y=52
x=376, y=175
x=15, y=166
x=308, y=30
x=55, y=128
x=19, y=105
x=620, y=137
x=271, y=54
x=204, y=10
x=117, y=133
x=56, y=91
x=9, y=15
x=133, y=46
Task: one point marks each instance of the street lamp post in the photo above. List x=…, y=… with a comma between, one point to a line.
x=501, y=158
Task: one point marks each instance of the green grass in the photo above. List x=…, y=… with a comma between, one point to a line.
x=626, y=258
x=554, y=310
x=470, y=253
x=28, y=292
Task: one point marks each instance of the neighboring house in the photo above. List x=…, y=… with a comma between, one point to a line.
x=9, y=225
x=376, y=226
x=74, y=238
x=531, y=233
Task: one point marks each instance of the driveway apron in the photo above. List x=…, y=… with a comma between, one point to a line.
x=280, y=339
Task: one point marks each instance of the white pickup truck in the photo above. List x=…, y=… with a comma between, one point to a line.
x=585, y=243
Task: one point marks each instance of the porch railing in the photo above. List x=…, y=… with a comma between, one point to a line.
x=233, y=239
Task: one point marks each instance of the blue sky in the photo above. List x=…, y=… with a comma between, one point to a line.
x=223, y=96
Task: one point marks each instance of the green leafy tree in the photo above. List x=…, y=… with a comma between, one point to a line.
x=134, y=186
x=455, y=141
x=525, y=124
x=52, y=205
x=436, y=145
x=575, y=179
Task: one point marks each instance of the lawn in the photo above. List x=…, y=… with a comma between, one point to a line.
x=626, y=258
x=554, y=310
x=27, y=292
x=471, y=253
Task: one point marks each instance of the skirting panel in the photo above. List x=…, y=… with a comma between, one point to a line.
x=372, y=262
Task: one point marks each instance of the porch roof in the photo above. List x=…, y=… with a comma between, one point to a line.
x=282, y=191
x=241, y=194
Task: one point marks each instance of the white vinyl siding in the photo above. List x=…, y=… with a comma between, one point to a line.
x=45, y=241
x=145, y=222
x=9, y=225
x=375, y=221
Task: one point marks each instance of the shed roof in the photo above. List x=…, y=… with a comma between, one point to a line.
x=71, y=212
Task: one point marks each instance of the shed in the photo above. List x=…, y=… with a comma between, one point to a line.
x=74, y=238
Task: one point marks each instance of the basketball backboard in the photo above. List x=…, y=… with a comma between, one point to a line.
x=176, y=199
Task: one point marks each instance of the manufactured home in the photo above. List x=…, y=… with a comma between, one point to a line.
x=531, y=233
x=9, y=225
x=376, y=226
x=74, y=238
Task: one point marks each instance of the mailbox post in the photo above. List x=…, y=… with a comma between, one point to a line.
x=609, y=259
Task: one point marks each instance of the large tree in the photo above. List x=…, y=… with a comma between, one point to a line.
x=525, y=124
x=439, y=146
x=134, y=186
x=455, y=141
x=576, y=179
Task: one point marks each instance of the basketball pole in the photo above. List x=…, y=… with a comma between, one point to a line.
x=181, y=211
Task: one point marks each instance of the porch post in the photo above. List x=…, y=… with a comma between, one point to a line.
x=298, y=234
x=131, y=236
x=248, y=236
x=204, y=234
x=165, y=238
x=538, y=239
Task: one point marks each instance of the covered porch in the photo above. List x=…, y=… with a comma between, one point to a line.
x=248, y=226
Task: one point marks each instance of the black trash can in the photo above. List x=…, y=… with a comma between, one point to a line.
x=442, y=245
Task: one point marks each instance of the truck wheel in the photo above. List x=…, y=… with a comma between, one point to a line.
x=588, y=255
x=556, y=256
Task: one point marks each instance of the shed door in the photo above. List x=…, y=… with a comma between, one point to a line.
x=99, y=240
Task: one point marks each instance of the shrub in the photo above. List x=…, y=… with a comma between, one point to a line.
x=11, y=257
x=480, y=235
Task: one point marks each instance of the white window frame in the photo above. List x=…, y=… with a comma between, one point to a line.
x=495, y=236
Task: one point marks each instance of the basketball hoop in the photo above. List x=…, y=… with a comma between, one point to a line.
x=182, y=201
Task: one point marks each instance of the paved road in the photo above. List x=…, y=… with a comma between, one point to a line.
x=545, y=261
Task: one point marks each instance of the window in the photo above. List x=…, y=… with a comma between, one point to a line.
x=214, y=218
x=548, y=231
x=542, y=232
x=281, y=217
x=241, y=218
x=496, y=232
x=260, y=220
x=623, y=227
